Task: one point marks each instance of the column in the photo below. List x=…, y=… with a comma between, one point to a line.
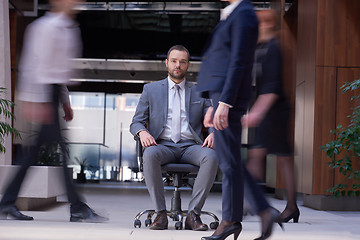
x=5, y=70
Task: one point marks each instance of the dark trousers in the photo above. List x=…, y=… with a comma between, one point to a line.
x=234, y=173
x=49, y=133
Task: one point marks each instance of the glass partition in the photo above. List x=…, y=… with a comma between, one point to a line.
x=99, y=138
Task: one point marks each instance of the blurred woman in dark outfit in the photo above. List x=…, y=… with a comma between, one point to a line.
x=270, y=112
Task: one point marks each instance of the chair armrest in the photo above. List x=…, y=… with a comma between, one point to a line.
x=139, y=153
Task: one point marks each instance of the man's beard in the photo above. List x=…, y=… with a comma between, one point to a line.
x=178, y=77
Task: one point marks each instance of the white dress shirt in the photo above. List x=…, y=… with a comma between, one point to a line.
x=225, y=13
x=50, y=43
x=185, y=131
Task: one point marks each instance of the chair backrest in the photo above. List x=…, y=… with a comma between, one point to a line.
x=139, y=153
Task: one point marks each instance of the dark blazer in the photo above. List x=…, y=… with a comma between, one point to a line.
x=153, y=105
x=227, y=62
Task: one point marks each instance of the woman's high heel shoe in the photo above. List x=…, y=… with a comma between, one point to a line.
x=267, y=231
x=233, y=229
x=294, y=215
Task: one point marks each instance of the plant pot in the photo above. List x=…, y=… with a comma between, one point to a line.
x=81, y=178
x=331, y=203
x=40, y=187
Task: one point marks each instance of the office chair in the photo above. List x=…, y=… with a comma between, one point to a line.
x=178, y=173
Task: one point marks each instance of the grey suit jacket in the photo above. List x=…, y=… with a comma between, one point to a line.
x=153, y=105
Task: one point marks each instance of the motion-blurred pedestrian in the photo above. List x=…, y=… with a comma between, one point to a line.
x=50, y=42
x=270, y=112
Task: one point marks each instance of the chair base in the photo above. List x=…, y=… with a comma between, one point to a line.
x=175, y=215
x=177, y=173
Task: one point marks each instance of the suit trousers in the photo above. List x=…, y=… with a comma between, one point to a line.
x=182, y=152
x=49, y=133
x=236, y=180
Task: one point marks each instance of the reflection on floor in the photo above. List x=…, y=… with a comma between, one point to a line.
x=121, y=202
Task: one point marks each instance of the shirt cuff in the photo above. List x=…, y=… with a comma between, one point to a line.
x=230, y=106
x=140, y=131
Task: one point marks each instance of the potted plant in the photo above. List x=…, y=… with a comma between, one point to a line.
x=49, y=155
x=81, y=177
x=344, y=151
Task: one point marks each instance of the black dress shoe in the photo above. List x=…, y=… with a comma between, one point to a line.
x=13, y=212
x=233, y=229
x=83, y=213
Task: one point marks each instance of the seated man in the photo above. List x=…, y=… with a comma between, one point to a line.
x=174, y=113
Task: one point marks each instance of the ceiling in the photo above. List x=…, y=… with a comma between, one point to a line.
x=125, y=42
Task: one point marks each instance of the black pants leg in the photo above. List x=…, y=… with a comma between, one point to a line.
x=49, y=133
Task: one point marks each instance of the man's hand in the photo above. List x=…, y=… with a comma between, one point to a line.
x=146, y=139
x=208, y=121
x=69, y=115
x=209, y=141
x=221, y=117
x=42, y=113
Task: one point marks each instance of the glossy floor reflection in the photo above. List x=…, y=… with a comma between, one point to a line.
x=122, y=202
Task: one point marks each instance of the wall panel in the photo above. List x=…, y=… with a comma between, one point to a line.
x=352, y=32
x=305, y=77
x=331, y=33
x=327, y=53
x=5, y=74
x=299, y=161
x=306, y=43
x=325, y=115
x=338, y=33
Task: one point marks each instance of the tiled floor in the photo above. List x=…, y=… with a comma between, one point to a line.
x=122, y=202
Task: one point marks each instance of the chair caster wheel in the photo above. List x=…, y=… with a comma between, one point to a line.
x=148, y=222
x=137, y=223
x=214, y=225
x=178, y=225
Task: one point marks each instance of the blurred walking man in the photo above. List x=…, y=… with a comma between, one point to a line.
x=51, y=41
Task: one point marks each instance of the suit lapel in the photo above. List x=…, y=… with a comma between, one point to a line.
x=165, y=95
x=188, y=90
x=188, y=93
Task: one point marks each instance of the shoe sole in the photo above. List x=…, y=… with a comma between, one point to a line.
x=196, y=229
x=158, y=228
x=8, y=217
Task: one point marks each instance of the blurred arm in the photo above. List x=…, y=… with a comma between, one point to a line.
x=259, y=110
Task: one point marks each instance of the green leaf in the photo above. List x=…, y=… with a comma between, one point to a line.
x=346, y=141
x=337, y=193
x=5, y=128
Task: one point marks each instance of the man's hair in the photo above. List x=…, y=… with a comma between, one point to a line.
x=179, y=48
